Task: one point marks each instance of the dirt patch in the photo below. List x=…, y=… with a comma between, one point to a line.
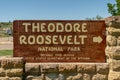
x=6, y=43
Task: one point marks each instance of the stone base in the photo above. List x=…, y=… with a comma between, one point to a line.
x=12, y=68
x=67, y=71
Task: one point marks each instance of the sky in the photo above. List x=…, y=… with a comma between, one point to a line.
x=11, y=10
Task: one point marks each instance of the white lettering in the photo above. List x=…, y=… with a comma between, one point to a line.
x=26, y=26
x=51, y=27
x=68, y=27
x=40, y=39
x=84, y=27
x=22, y=39
x=59, y=27
x=83, y=38
x=31, y=39
x=35, y=27
x=43, y=27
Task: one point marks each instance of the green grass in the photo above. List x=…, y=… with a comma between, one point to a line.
x=6, y=52
x=3, y=35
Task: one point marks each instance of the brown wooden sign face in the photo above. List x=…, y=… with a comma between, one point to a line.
x=60, y=40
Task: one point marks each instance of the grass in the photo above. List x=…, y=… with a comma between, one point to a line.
x=3, y=35
x=6, y=52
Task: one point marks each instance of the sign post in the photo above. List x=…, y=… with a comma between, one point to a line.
x=60, y=40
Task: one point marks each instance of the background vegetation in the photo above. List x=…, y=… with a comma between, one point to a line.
x=6, y=52
x=3, y=28
x=114, y=9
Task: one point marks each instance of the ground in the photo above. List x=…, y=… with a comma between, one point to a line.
x=6, y=43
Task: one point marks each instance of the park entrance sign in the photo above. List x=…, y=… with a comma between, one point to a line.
x=60, y=40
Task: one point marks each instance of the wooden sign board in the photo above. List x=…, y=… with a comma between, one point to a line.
x=60, y=40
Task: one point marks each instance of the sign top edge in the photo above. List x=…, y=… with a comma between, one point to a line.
x=63, y=20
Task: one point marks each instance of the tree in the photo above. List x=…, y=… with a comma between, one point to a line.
x=114, y=9
x=98, y=17
x=0, y=25
x=95, y=18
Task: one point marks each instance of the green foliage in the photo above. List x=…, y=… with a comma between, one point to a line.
x=114, y=9
x=5, y=25
x=95, y=18
x=6, y=52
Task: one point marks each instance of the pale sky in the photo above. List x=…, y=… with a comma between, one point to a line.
x=52, y=9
